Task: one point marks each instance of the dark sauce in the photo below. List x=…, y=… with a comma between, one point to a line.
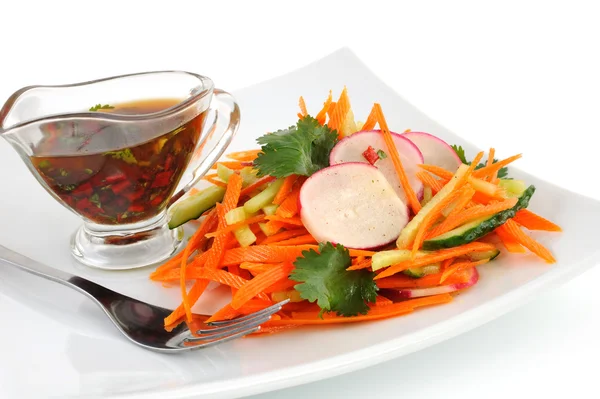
x=124, y=185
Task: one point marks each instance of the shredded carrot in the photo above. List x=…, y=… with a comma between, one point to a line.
x=264, y=253
x=302, y=105
x=322, y=115
x=235, y=165
x=532, y=221
x=495, y=167
x=462, y=202
x=244, y=156
x=259, y=283
x=338, y=115
x=393, y=153
x=285, y=189
x=304, y=239
x=225, y=313
x=364, y=264
x=331, y=108
x=215, y=181
x=371, y=120
x=235, y=226
x=515, y=231
x=377, y=312
x=294, y=221
x=508, y=241
x=284, y=235
x=251, y=187
x=271, y=228
x=282, y=285
x=434, y=214
x=383, y=301
x=435, y=257
x=438, y=171
x=490, y=161
x=289, y=206
x=400, y=281
x=469, y=214
x=460, y=266
x=428, y=180
x=256, y=268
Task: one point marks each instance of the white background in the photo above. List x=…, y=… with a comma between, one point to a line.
x=520, y=76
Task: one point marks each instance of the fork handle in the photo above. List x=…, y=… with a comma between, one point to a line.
x=31, y=266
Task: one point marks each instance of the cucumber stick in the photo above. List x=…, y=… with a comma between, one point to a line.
x=478, y=228
x=224, y=172
x=195, y=205
x=418, y=272
x=270, y=209
x=244, y=235
x=263, y=198
x=409, y=232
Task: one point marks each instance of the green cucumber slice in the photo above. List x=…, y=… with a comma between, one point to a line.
x=195, y=205
x=478, y=228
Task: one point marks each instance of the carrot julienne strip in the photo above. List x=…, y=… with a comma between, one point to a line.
x=515, y=231
x=495, y=167
x=533, y=221
x=263, y=180
x=259, y=283
x=393, y=153
x=285, y=189
x=435, y=257
x=302, y=106
x=371, y=120
x=428, y=180
x=469, y=214
x=438, y=171
x=508, y=241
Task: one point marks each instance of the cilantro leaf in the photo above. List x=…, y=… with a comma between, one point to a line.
x=325, y=280
x=302, y=149
x=100, y=106
x=124, y=155
x=502, y=173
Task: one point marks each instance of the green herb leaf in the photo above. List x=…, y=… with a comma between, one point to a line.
x=44, y=164
x=302, y=149
x=95, y=199
x=381, y=154
x=124, y=155
x=325, y=280
x=100, y=106
x=502, y=173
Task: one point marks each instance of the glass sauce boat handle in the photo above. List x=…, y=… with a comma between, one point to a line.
x=221, y=132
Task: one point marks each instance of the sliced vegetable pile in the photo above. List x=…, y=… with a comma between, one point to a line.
x=347, y=222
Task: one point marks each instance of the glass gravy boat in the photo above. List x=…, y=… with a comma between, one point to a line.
x=114, y=151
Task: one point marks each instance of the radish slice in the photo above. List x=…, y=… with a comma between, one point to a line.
x=351, y=148
x=435, y=151
x=352, y=204
x=407, y=293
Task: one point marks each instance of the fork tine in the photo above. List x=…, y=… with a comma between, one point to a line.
x=193, y=344
x=250, y=319
x=234, y=329
x=270, y=310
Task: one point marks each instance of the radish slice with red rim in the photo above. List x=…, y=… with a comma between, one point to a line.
x=435, y=150
x=352, y=204
x=351, y=149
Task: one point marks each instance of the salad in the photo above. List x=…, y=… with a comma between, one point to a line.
x=349, y=221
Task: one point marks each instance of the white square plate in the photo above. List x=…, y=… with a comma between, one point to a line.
x=76, y=351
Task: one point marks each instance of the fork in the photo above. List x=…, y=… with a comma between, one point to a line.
x=140, y=322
